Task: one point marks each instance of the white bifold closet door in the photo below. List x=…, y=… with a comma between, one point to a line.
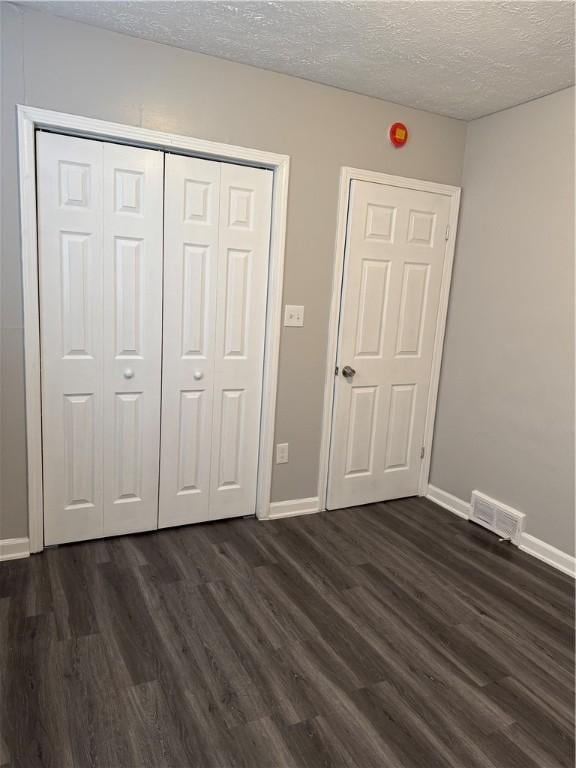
x=100, y=273
x=216, y=246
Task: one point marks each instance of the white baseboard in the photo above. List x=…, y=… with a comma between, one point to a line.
x=12, y=549
x=448, y=501
x=293, y=507
x=529, y=544
x=548, y=554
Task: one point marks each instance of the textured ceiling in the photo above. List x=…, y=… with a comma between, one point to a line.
x=459, y=58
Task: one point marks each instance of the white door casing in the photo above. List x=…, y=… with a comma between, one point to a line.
x=393, y=270
x=217, y=239
x=31, y=120
x=100, y=262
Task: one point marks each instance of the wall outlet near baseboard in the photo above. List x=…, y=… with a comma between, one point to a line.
x=282, y=453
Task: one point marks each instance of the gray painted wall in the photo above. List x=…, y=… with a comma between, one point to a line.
x=505, y=422
x=56, y=64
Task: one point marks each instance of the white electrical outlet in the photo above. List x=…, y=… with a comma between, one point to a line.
x=294, y=315
x=282, y=453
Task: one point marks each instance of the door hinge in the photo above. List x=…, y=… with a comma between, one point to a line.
x=422, y=452
x=447, y=232
x=336, y=371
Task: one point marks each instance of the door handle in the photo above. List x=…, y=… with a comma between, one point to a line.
x=348, y=372
x=198, y=375
x=128, y=373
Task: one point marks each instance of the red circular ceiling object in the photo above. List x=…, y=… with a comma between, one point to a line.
x=398, y=134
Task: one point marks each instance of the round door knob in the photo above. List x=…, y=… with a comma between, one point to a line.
x=348, y=372
x=198, y=375
x=128, y=373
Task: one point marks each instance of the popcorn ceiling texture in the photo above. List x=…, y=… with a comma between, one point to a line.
x=460, y=59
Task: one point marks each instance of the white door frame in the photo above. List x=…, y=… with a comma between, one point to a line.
x=347, y=175
x=29, y=120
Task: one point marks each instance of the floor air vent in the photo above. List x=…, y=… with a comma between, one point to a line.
x=508, y=523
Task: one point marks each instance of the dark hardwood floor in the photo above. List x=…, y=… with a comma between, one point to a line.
x=389, y=636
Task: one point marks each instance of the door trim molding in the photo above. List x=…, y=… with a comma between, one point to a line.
x=348, y=174
x=29, y=120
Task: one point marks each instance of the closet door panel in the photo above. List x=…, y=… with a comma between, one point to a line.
x=100, y=273
x=217, y=232
x=243, y=255
x=70, y=205
x=192, y=199
x=133, y=223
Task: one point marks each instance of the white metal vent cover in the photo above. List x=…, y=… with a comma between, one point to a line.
x=508, y=523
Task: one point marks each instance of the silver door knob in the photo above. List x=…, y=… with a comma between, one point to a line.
x=348, y=372
x=128, y=373
x=198, y=375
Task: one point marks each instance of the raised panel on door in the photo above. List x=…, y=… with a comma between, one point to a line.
x=70, y=208
x=244, y=242
x=236, y=308
x=394, y=262
x=133, y=250
x=77, y=303
x=195, y=301
x=372, y=307
x=361, y=427
x=100, y=253
x=411, y=314
x=189, y=447
x=192, y=200
x=400, y=427
x=79, y=456
x=128, y=255
x=229, y=440
x=128, y=448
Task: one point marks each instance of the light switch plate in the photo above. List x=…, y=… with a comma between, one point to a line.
x=281, y=453
x=294, y=315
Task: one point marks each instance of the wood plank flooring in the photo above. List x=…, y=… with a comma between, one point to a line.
x=388, y=636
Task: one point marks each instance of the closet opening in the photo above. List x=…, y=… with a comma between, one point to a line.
x=153, y=285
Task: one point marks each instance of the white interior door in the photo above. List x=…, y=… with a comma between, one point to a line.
x=217, y=234
x=100, y=272
x=395, y=251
